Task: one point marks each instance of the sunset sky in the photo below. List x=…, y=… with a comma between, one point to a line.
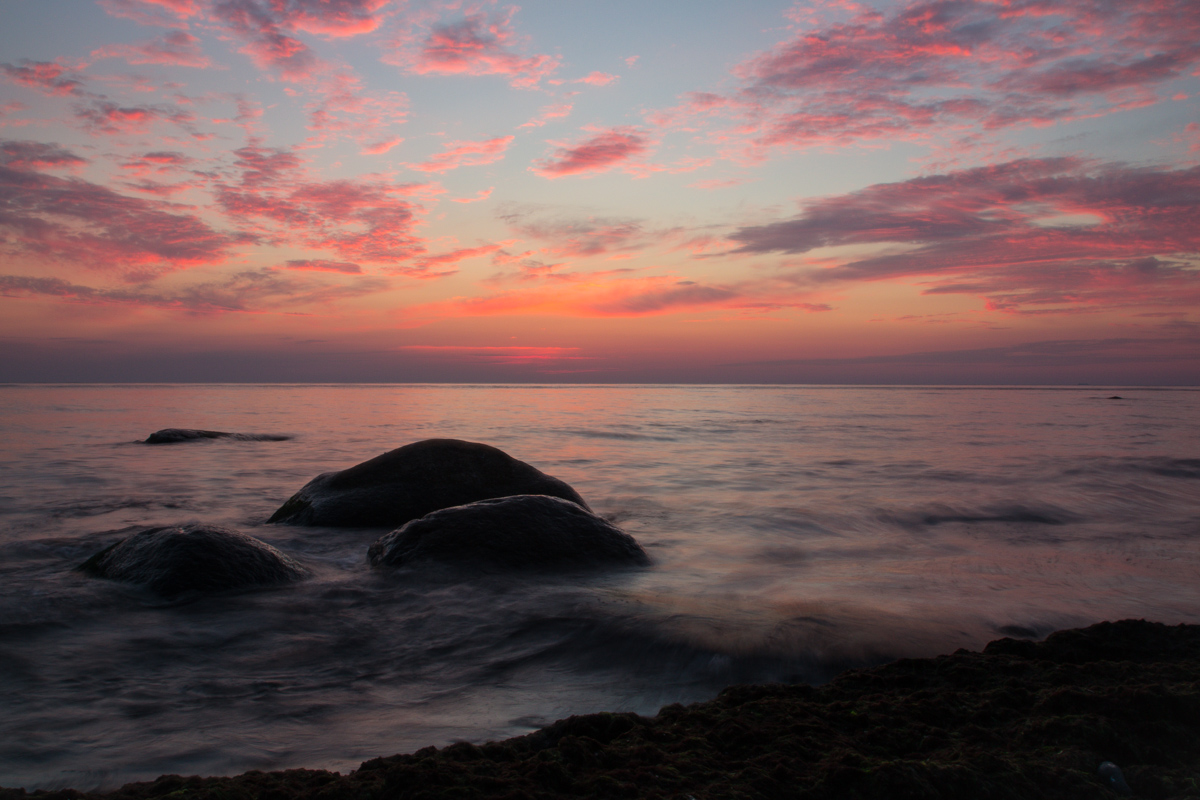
x=972, y=191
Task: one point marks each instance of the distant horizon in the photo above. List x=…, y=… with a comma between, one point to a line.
x=791, y=191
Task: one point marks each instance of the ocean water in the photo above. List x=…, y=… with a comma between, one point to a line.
x=795, y=532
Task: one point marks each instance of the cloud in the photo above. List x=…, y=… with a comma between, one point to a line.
x=475, y=44
x=165, y=13
x=343, y=107
x=102, y=116
x=25, y=155
x=266, y=42
x=367, y=220
x=999, y=232
x=596, y=79
x=47, y=76
x=601, y=296
x=321, y=265
x=555, y=111
x=382, y=146
x=950, y=66
x=74, y=221
x=157, y=162
x=590, y=236
x=482, y=194
x=600, y=153
x=334, y=18
x=175, y=48
x=247, y=291
x=466, y=154
x=450, y=259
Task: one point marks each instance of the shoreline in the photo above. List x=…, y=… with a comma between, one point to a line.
x=1019, y=719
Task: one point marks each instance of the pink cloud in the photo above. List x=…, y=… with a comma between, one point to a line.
x=450, y=259
x=929, y=67
x=345, y=108
x=267, y=44
x=364, y=220
x=78, y=222
x=250, y=291
x=165, y=13
x=158, y=162
x=336, y=18
x=596, y=79
x=24, y=155
x=176, y=48
x=556, y=111
x=1053, y=233
x=47, y=76
x=600, y=153
x=482, y=194
x=322, y=265
x=476, y=44
x=600, y=296
x=591, y=236
x=381, y=147
x=466, y=154
x=102, y=116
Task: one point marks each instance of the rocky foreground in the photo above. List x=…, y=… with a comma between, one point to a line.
x=1019, y=720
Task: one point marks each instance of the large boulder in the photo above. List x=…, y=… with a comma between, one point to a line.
x=175, y=435
x=193, y=558
x=411, y=481
x=523, y=532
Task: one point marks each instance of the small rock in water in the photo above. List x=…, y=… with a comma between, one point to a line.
x=521, y=532
x=173, y=435
x=409, y=482
x=1116, y=397
x=1110, y=773
x=193, y=558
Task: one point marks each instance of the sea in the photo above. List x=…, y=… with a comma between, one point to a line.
x=794, y=531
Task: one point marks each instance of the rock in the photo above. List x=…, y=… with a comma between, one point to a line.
x=193, y=558
x=173, y=435
x=1116, y=397
x=411, y=481
x=522, y=532
x=1110, y=773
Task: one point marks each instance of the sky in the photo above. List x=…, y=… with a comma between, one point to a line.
x=958, y=192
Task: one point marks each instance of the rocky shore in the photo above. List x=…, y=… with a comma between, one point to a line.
x=1018, y=720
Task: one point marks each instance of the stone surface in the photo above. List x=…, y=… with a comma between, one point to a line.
x=411, y=481
x=174, y=435
x=193, y=558
x=522, y=532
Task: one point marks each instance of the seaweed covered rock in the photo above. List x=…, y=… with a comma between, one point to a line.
x=193, y=558
x=521, y=532
x=175, y=435
x=411, y=481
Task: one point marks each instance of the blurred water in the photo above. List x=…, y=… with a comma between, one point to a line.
x=795, y=531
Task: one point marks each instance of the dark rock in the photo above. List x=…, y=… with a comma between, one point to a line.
x=1110, y=773
x=411, y=481
x=1116, y=397
x=173, y=435
x=523, y=532
x=193, y=558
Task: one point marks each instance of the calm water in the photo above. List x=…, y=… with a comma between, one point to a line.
x=795, y=531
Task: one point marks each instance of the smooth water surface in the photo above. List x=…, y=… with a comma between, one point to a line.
x=795, y=531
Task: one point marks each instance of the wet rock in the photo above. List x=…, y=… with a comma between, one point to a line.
x=411, y=481
x=193, y=558
x=1110, y=773
x=521, y=532
x=174, y=435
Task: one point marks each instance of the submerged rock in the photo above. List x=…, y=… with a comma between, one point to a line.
x=193, y=558
x=411, y=481
x=173, y=435
x=522, y=532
